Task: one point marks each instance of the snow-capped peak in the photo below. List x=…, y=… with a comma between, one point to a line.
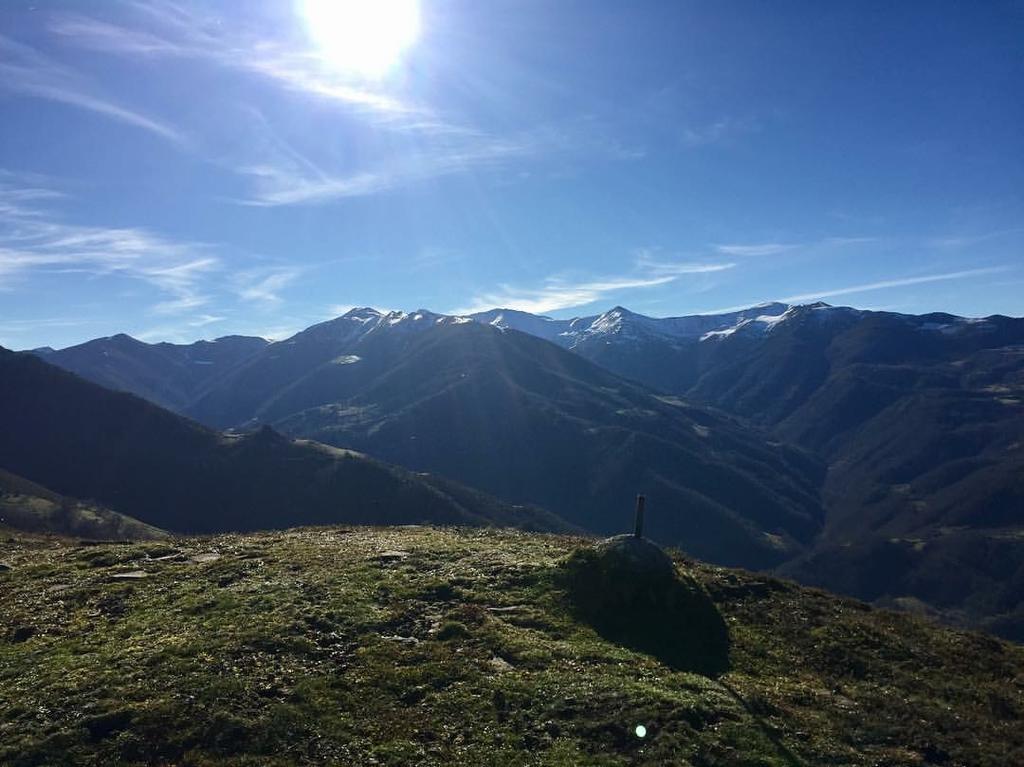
x=760, y=324
x=362, y=314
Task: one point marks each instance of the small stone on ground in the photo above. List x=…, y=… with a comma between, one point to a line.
x=392, y=556
x=499, y=664
x=131, y=575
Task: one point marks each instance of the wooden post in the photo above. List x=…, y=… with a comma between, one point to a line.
x=638, y=528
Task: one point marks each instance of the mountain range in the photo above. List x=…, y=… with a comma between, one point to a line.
x=526, y=421
x=169, y=375
x=876, y=453
x=509, y=414
x=919, y=418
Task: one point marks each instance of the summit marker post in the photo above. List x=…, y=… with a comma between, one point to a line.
x=638, y=525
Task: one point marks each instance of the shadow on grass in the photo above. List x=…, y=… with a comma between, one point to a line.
x=670, y=618
x=791, y=759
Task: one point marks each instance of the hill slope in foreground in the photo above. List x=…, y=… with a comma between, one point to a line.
x=33, y=508
x=415, y=645
x=82, y=440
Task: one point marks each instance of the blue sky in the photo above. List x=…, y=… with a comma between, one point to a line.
x=184, y=170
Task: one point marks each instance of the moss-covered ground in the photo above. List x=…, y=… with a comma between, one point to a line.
x=427, y=646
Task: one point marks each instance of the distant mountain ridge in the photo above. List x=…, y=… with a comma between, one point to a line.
x=623, y=323
x=167, y=374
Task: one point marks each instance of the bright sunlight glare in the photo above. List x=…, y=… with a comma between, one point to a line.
x=365, y=37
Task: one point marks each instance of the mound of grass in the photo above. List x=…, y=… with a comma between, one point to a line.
x=633, y=598
x=398, y=646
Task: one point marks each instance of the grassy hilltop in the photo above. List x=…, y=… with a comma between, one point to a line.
x=410, y=645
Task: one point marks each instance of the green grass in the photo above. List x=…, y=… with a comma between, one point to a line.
x=459, y=647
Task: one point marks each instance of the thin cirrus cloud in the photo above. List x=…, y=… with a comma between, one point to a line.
x=187, y=34
x=559, y=293
x=649, y=263
x=179, y=332
x=278, y=174
x=287, y=182
x=897, y=283
x=723, y=130
x=868, y=287
x=34, y=241
x=753, y=250
x=26, y=71
x=758, y=249
x=264, y=286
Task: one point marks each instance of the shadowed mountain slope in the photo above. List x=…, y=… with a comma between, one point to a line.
x=81, y=439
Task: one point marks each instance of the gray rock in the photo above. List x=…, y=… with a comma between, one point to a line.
x=392, y=556
x=131, y=575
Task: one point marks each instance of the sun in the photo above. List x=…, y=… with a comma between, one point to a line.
x=363, y=37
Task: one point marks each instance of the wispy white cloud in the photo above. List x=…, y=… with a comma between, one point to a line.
x=756, y=249
x=33, y=240
x=429, y=145
x=337, y=310
x=559, y=292
x=646, y=261
x=282, y=180
x=24, y=70
x=189, y=34
x=722, y=130
x=969, y=240
x=281, y=185
x=265, y=285
x=896, y=283
x=181, y=332
x=203, y=320
x=845, y=241
x=556, y=293
x=930, y=242
x=180, y=280
x=869, y=287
